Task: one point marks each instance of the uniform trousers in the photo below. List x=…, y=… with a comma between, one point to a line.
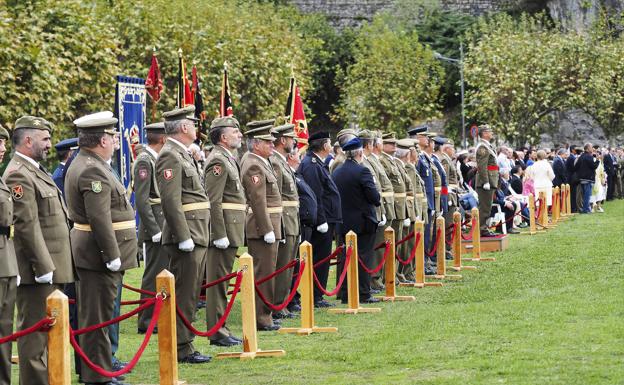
x=378, y=255
x=8, y=286
x=156, y=260
x=219, y=263
x=264, y=258
x=365, y=244
x=188, y=269
x=404, y=252
x=485, y=205
x=321, y=248
x=286, y=252
x=306, y=235
x=397, y=225
x=95, y=293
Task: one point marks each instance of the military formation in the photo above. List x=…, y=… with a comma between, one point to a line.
x=76, y=230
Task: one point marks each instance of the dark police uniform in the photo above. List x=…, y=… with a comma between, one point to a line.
x=426, y=174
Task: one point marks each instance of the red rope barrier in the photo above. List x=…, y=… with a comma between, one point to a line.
x=383, y=261
x=140, y=291
x=149, y=302
x=289, y=265
x=135, y=302
x=454, y=228
x=405, y=239
x=412, y=254
x=330, y=256
x=290, y=297
x=158, y=301
x=528, y=219
x=226, y=313
x=218, y=281
x=435, y=245
x=340, y=280
x=42, y=326
x=539, y=210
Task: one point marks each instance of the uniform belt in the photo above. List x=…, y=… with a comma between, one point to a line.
x=116, y=226
x=154, y=201
x=409, y=198
x=7, y=231
x=438, y=189
x=387, y=194
x=400, y=195
x=453, y=186
x=196, y=206
x=419, y=195
x=233, y=206
x=290, y=203
x=270, y=210
x=492, y=168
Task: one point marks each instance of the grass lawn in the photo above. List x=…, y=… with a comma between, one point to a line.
x=550, y=310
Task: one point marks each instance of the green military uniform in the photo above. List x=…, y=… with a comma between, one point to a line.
x=8, y=273
x=452, y=178
x=264, y=217
x=104, y=234
x=287, y=184
x=187, y=219
x=487, y=172
x=227, y=212
x=413, y=188
x=41, y=247
x=147, y=199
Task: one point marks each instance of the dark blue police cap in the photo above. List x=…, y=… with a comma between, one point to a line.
x=353, y=144
x=66, y=144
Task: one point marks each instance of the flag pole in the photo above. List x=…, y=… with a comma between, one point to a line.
x=153, y=109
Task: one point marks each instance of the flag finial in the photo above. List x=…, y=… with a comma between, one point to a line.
x=225, y=65
x=180, y=52
x=154, y=50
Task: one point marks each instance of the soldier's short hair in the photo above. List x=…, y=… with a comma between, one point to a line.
x=251, y=142
x=352, y=154
x=367, y=142
x=89, y=139
x=154, y=137
x=401, y=153
x=174, y=126
x=21, y=134
x=317, y=145
x=215, y=134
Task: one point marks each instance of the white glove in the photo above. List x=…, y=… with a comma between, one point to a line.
x=222, y=243
x=156, y=238
x=322, y=228
x=19, y=280
x=187, y=245
x=46, y=278
x=269, y=237
x=383, y=221
x=486, y=186
x=283, y=241
x=406, y=222
x=114, y=265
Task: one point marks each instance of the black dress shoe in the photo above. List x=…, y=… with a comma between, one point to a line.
x=375, y=291
x=487, y=233
x=294, y=308
x=118, y=365
x=430, y=271
x=195, y=358
x=236, y=338
x=269, y=328
x=323, y=303
x=283, y=315
x=277, y=321
x=369, y=300
x=449, y=256
x=201, y=304
x=225, y=341
x=143, y=331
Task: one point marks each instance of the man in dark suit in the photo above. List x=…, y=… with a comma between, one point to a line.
x=571, y=177
x=515, y=181
x=559, y=168
x=359, y=198
x=610, y=163
x=329, y=213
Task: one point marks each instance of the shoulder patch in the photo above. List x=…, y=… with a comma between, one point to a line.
x=216, y=170
x=143, y=173
x=96, y=186
x=17, y=191
x=255, y=179
x=168, y=174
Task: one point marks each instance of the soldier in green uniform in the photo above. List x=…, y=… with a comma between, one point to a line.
x=187, y=218
x=9, y=276
x=103, y=239
x=486, y=180
x=264, y=218
x=368, y=142
x=287, y=249
x=227, y=212
x=41, y=240
x=147, y=198
x=414, y=199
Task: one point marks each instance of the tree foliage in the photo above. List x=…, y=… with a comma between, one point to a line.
x=394, y=81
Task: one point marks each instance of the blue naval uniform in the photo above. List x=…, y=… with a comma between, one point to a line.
x=59, y=178
x=424, y=170
x=443, y=197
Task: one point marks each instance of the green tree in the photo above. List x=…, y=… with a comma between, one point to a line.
x=394, y=81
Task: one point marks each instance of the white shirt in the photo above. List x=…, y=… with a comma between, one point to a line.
x=27, y=158
x=179, y=144
x=542, y=174
x=152, y=152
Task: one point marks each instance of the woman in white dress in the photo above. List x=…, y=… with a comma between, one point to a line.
x=542, y=175
x=599, y=191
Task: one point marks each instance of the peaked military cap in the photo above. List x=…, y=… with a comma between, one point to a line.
x=319, y=135
x=155, y=128
x=366, y=134
x=485, y=127
x=97, y=122
x=440, y=140
x=353, y=144
x=405, y=144
x=417, y=130
x=66, y=144
x=346, y=131
x=260, y=123
x=187, y=112
x=431, y=135
x=264, y=133
x=4, y=134
x=33, y=122
x=224, y=121
x=287, y=130
x=388, y=138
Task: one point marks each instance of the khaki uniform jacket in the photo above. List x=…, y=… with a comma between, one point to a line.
x=338, y=161
x=387, y=191
x=147, y=197
x=398, y=185
x=379, y=210
x=290, y=198
x=96, y=198
x=263, y=198
x=184, y=202
x=451, y=177
x=419, y=189
x=41, y=228
x=409, y=190
x=8, y=262
x=486, y=157
x=227, y=198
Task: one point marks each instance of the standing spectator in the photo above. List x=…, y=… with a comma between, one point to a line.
x=610, y=163
x=531, y=157
x=572, y=177
x=543, y=176
x=559, y=168
x=599, y=191
x=585, y=168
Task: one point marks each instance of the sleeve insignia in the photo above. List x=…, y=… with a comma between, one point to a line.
x=96, y=186
x=18, y=192
x=143, y=173
x=313, y=160
x=168, y=174
x=255, y=179
x=216, y=170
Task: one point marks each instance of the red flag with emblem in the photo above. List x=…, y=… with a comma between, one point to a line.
x=297, y=116
x=153, y=82
x=225, y=104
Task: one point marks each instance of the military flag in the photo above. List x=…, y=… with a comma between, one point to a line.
x=153, y=82
x=185, y=97
x=225, y=104
x=296, y=114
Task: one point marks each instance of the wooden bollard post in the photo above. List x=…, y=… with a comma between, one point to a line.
x=59, y=360
x=476, y=239
x=167, y=334
x=248, y=310
x=441, y=251
x=557, y=204
x=564, y=202
x=569, y=199
x=543, y=210
x=353, y=289
x=306, y=289
x=421, y=281
x=457, y=257
x=390, y=270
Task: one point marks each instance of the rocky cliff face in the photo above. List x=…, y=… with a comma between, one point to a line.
x=578, y=15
